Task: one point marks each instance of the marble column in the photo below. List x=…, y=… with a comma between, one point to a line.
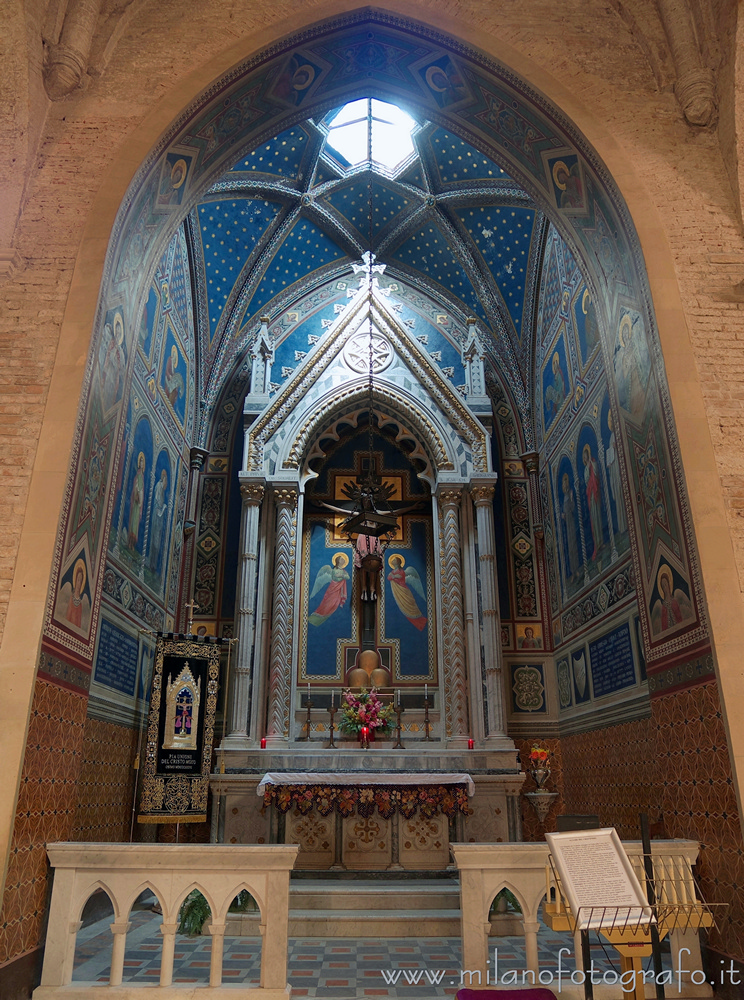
x=168, y=953
x=197, y=458
x=252, y=493
x=118, y=949
x=282, y=616
x=453, y=624
x=490, y=626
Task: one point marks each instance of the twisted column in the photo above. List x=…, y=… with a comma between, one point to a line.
x=453, y=624
x=490, y=631
x=280, y=656
x=252, y=494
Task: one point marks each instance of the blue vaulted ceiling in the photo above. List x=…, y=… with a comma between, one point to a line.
x=287, y=217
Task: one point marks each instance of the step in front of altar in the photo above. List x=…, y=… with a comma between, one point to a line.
x=374, y=908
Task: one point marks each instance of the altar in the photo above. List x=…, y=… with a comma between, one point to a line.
x=372, y=811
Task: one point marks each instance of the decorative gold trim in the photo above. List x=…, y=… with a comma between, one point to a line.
x=482, y=495
x=252, y=493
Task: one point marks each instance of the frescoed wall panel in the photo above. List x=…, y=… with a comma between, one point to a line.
x=329, y=615
x=409, y=601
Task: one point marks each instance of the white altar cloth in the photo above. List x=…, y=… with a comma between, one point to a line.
x=362, y=778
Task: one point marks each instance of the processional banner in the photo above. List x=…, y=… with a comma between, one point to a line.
x=180, y=729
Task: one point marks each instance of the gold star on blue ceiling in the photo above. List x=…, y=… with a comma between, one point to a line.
x=353, y=203
x=458, y=161
x=305, y=249
x=281, y=156
x=429, y=252
x=229, y=233
x=503, y=236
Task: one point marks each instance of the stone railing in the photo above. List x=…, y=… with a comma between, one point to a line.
x=524, y=869
x=170, y=872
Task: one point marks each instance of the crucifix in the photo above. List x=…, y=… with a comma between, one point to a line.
x=191, y=608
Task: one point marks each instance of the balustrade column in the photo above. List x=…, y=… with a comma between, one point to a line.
x=453, y=623
x=490, y=625
x=252, y=494
x=215, y=959
x=117, y=952
x=282, y=617
x=168, y=952
x=531, y=927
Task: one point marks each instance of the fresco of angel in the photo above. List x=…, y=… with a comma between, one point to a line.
x=402, y=582
x=333, y=578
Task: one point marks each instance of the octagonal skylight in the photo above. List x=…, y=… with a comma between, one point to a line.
x=369, y=130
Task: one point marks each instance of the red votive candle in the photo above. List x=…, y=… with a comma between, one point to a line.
x=471, y=744
x=365, y=733
x=263, y=742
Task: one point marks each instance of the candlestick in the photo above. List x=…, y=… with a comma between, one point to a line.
x=309, y=706
x=427, y=724
x=398, y=745
x=332, y=711
x=365, y=737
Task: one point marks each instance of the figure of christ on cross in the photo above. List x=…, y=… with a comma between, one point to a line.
x=184, y=707
x=368, y=560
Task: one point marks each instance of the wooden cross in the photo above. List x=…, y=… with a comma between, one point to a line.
x=191, y=607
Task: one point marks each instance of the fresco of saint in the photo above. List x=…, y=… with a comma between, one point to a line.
x=568, y=509
x=74, y=602
x=555, y=393
x=157, y=527
x=173, y=380
x=401, y=582
x=673, y=606
x=135, y=506
x=591, y=480
x=613, y=468
x=333, y=578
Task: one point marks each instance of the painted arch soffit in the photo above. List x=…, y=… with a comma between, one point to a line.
x=411, y=394
x=483, y=103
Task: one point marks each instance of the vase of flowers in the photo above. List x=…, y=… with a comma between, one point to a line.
x=539, y=769
x=364, y=715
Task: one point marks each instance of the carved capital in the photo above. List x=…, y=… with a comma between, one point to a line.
x=532, y=462
x=197, y=458
x=450, y=497
x=286, y=496
x=482, y=495
x=252, y=493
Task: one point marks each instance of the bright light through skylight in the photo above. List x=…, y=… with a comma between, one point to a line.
x=371, y=130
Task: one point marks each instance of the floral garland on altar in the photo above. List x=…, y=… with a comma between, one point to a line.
x=428, y=800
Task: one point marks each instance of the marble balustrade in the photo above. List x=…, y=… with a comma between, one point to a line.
x=170, y=872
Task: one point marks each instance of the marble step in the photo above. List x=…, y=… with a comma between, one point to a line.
x=425, y=894
x=389, y=924
x=373, y=908
x=355, y=923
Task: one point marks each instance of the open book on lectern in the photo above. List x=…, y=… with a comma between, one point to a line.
x=598, y=880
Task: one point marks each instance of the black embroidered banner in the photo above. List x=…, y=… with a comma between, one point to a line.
x=180, y=730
